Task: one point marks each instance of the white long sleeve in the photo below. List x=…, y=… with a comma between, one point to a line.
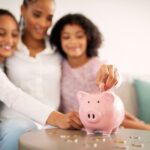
x=18, y=100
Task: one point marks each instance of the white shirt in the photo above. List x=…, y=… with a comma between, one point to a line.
x=39, y=76
x=16, y=100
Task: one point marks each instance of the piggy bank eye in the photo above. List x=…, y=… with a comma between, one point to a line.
x=88, y=101
x=98, y=101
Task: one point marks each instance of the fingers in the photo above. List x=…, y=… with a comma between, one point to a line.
x=102, y=75
x=107, y=77
x=112, y=78
x=75, y=121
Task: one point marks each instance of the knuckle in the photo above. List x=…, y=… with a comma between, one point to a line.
x=106, y=74
x=111, y=77
x=111, y=66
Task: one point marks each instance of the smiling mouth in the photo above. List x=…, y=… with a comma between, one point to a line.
x=6, y=47
x=39, y=30
x=74, y=49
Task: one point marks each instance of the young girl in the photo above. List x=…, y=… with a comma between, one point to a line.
x=77, y=39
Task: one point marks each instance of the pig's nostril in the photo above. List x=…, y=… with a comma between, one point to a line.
x=93, y=116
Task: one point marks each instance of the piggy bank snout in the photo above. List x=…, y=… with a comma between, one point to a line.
x=92, y=116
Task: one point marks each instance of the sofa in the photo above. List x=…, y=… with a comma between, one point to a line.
x=134, y=91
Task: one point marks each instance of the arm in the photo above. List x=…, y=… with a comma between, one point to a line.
x=18, y=100
x=133, y=122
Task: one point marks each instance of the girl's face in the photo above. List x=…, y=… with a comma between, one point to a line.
x=9, y=36
x=38, y=18
x=73, y=41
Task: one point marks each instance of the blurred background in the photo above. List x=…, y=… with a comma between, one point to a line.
x=125, y=25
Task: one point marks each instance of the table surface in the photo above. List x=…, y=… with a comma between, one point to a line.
x=57, y=139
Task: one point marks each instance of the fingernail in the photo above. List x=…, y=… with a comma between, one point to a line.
x=101, y=87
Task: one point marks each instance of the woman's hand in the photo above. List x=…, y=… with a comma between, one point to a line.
x=65, y=121
x=107, y=77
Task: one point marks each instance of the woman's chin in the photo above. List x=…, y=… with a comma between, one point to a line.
x=8, y=54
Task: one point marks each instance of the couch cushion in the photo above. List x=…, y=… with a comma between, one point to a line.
x=142, y=87
x=126, y=91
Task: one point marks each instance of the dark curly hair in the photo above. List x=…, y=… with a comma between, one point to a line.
x=8, y=13
x=94, y=36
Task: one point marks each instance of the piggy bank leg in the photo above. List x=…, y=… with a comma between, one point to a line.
x=107, y=132
x=114, y=130
x=88, y=131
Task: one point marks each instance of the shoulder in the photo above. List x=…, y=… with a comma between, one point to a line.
x=55, y=57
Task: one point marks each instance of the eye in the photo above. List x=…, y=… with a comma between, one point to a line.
x=37, y=15
x=15, y=34
x=98, y=101
x=49, y=18
x=80, y=36
x=2, y=33
x=65, y=37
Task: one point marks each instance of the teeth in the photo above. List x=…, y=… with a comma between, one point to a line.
x=6, y=47
x=38, y=29
x=77, y=49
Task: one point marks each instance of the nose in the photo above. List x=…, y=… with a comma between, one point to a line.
x=73, y=40
x=93, y=116
x=44, y=23
x=9, y=39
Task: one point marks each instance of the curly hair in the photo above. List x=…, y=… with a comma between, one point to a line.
x=94, y=36
x=8, y=13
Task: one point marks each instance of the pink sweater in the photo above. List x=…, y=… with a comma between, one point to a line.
x=76, y=79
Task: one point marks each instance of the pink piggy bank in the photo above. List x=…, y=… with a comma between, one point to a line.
x=102, y=112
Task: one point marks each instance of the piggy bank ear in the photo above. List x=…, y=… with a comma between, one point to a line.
x=108, y=96
x=81, y=95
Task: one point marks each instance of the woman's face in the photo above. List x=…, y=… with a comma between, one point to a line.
x=73, y=41
x=9, y=36
x=38, y=18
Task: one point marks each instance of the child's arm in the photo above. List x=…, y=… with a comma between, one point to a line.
x=131, y=121
x=131, y=117
x=135, y=124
